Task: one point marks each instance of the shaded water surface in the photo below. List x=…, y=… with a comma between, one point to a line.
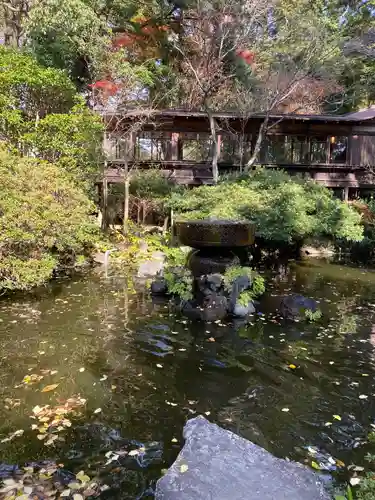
x=303, y=391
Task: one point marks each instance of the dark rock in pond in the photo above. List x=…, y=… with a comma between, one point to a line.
x=159, y=287
x=242, y=311
x=294, y=306
x=213, y=308
x=215, y=463
x=208, y=284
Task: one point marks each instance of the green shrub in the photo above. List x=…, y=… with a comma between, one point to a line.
x=257, y=287
x=179, y=282
x=284, y=209
x=44, y=221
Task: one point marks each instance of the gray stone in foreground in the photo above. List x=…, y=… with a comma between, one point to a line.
x=223, y=466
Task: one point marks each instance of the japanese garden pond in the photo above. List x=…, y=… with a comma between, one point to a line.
x=138, y=371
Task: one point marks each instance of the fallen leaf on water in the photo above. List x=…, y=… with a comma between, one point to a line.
x=285, y=409
x=98, y=410
x=49, y=388
x=340, y=463
x=363, y=396
x=211, y=339
x=84, y=478
x=337, y=417
x=315, y=465
x=133, y=453
x=81, y=369
x=159, y=366
x=184, y=468
x=292, y=367
x=174, y=440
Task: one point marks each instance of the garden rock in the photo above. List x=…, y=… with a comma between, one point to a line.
x=159, y=287
x=294, y=306
x=214, y=307
x=239, y=285
x=242, y=311
x=153, y=266
x=209, y=284
x=215, y=463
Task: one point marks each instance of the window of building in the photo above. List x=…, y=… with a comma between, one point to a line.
x=338, y=149
x=153, y=146
x=318, y=149
x=235, y=150
x=299, y=149
x=277, y=149
x=195, y=147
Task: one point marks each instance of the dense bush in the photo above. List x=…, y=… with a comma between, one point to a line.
x=44, y=221
x=284, y=209
x=43, y=116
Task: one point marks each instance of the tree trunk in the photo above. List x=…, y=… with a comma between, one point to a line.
x=126, y=195
x=215, y=147
x=258, y=144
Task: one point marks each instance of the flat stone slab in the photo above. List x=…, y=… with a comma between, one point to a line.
x=216, y=464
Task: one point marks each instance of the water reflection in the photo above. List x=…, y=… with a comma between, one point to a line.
x=148, y=370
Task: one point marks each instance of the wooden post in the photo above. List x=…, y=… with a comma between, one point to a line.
x=345, y=194
x=129, y=152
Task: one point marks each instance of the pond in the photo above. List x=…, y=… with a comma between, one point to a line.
x=134, y=371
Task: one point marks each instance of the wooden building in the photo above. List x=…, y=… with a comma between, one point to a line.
x=337, y=151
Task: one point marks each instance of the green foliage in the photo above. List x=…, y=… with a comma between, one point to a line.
x=179, y=282
x=44, y=222
x=366, y=488
x=73, y=140
x=245, y=297
x=64, y=38
x=151, y=184
x=284, y=209
x=257, y=287
x=41, y=115
x=313, y=315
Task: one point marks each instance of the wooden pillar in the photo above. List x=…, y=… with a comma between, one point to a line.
x=345, y=194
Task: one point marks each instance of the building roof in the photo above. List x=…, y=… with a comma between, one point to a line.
x=357, y=116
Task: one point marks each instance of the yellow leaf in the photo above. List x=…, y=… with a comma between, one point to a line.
x=340, y=463
x=292, y=367
x=184, y=468
x=337, y=417
x=49, y=388
x=315, y=465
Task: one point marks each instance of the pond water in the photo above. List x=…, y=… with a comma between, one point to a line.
x=301, y=390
